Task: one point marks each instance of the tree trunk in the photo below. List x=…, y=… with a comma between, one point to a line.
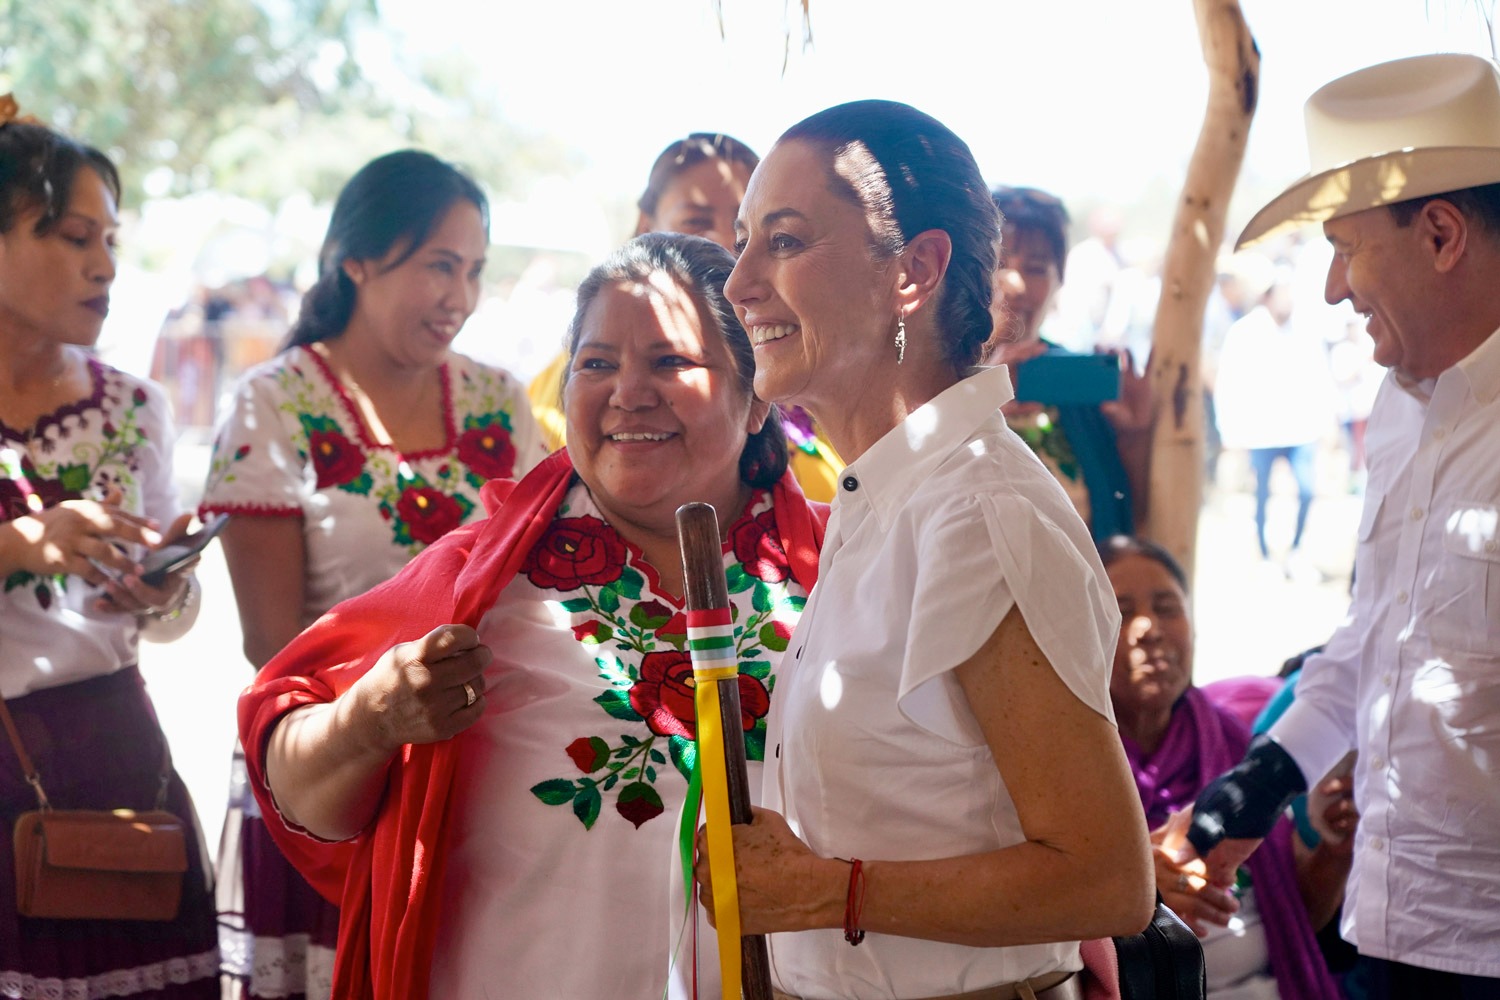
x=1177, y=470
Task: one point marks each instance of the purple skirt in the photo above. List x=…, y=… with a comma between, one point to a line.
x=277, y=935
x=97, y=745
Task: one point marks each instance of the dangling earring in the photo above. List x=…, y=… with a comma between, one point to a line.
x=900, y=339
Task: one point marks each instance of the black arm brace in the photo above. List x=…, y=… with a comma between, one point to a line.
x=1246, y=800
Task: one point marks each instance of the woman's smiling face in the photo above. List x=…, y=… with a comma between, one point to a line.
x=818, y=302
x=657, y=415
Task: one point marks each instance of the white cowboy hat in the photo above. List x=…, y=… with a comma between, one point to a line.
x=1403, y=129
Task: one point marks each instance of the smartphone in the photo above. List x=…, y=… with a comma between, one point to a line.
x=170, y=558
x=1069, y=379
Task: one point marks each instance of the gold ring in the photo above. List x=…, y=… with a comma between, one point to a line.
x=469, y=696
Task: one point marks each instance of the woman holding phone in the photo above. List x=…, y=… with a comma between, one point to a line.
x=86, y=495
x=339, y=460
x=1099, y=451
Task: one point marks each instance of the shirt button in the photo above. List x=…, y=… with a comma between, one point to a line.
x=850, y=483
x=1491, y=545
x=1377, y=762
x=1376, y=843
x=1385, y=679
x=1416, y=513
x=1439, y=434
x=1401, y=598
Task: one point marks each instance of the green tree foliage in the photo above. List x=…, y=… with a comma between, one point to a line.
x=260, y=98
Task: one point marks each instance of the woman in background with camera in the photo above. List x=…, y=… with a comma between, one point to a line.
x=86, y=491
x=1099, y=452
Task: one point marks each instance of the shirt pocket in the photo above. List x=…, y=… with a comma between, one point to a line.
x=1466, y=582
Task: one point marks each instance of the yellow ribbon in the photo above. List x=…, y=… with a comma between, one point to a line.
x=716, y=814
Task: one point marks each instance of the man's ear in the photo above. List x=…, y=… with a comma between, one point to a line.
x=1445, y=233
x=924, y=262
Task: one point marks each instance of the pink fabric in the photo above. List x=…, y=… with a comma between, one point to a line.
x=1243, y=697
x=1101, y=970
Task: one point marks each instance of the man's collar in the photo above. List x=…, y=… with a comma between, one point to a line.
x=891, y=470
x=1482, y=369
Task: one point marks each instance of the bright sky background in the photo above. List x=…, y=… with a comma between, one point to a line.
x=1094, y=99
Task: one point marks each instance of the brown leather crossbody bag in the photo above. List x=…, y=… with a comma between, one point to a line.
x=96, y=864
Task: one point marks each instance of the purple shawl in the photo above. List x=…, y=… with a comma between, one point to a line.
x=1202, y=742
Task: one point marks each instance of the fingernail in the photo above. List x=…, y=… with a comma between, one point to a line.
x=151, y=537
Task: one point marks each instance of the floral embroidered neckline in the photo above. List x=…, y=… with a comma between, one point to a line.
x=638, y=644
x=93, y=401
x=357, y=418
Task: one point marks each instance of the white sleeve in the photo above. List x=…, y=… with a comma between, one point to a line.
x=977, y=559
x=259, y=466
x=1318, y=727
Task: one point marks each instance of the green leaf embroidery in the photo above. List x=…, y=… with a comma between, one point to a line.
x=609, y=599
x=573, y=605
x=759, y=669
x=755, y=743
x=629, y=584
x=761, y=599
x=617, y=704
x=554, y=792
x=738, y=580
x=586, y=805
x=74, y=477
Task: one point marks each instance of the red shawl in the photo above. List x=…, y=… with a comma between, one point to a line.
x=388, y=880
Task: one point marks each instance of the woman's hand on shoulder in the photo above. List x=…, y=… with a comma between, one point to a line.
x=81, y=538
x=423, y=691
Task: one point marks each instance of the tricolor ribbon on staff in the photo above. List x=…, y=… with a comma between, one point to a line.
x=719, y=754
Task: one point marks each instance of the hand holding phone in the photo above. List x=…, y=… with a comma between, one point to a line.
x=160, y=563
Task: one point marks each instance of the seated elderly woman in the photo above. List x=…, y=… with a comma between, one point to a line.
x=483, y=757
x=1259, y=938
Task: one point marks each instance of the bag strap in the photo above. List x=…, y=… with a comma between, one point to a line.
x=27, y=767
x=35, y=780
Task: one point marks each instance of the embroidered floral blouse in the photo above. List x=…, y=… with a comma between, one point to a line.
x=569, y=789
x=120, y=435
x=294, y=444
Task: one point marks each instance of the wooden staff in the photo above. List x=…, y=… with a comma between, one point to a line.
x=711, y=642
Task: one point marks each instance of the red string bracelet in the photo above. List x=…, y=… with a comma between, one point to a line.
x=854, y=902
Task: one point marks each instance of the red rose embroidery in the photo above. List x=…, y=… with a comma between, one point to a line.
x=429, y=514
x=335, y=458
x=488, y=451
x=664, y=695
x=573, y=552
x=590, y=753
x=757, y=545
x=677, y=625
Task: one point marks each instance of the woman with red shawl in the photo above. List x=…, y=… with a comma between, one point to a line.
x=482, y=759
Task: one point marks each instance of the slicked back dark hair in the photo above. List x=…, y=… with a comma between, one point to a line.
x=395, y=199
x=37, y=170
x=911, y=174
x=700, y=267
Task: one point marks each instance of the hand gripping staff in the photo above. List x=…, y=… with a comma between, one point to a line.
x=744, y=966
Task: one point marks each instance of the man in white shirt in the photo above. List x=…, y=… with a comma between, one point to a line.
x=1406, y=181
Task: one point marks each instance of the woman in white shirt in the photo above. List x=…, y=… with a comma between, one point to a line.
x=944, y=716
x=86, y=490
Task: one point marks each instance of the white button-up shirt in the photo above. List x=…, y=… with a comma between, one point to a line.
x=1412, y=678
x=942, y=527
